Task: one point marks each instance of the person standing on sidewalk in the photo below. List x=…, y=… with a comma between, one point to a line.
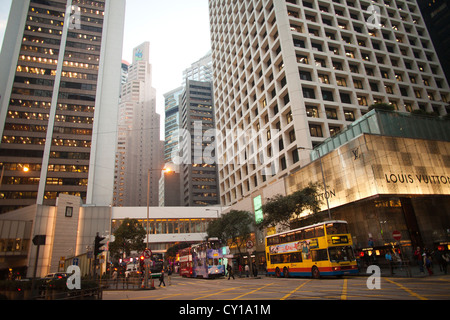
x=169, y=275
x=419, y=259
x=427, y=263
x=388, y=257
x=161, y=279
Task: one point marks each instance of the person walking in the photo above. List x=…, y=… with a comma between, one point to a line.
x=161, y=279
x=388, y=257
x=419, y=259
x=247, y=270
x=230, y=272
x=169, y=275
x=427, y=263
x=445, y=261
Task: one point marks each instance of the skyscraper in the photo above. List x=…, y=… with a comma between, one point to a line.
x=172, y=121
x=437, y=16
x=296, y=72
x=60, y=72
x=139, y=147
x=200, y=70
x=198, y=170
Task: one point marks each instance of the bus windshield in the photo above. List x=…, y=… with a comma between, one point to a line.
x=343, y=253
x=337, y=228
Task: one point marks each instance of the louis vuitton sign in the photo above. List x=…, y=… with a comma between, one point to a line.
x=417, y=179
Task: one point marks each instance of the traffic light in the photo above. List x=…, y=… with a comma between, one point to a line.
x=98, y=245
x=141, y=263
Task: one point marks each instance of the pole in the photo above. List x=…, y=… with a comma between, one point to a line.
x=324, y=185
x=148, y=231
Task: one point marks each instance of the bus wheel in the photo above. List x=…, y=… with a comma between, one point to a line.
x=277, y=272
x=315, y=272
x=286, y=272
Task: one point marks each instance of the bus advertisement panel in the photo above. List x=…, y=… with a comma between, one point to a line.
x=323, y=249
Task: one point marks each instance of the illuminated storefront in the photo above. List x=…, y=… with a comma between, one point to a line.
x=380, y=183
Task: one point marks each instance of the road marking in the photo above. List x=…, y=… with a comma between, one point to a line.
x=213, y=294
x=344, y=290
x=294, y=291
x=171, y=296
x=245, y=294
x=407, y=290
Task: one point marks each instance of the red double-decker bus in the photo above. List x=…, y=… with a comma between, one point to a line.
x=186, y=264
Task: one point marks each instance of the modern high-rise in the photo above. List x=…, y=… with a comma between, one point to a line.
x=171, y=122
x=436, y=14
x=200, y=70
x=139, y=149
x=59, y=83
x=297, y=72
x=198, y=170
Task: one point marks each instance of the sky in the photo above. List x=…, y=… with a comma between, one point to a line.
x=178, y=32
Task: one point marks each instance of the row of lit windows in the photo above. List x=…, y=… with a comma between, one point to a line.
x=71, y=143
x=21, y=167
x=67, y=182
x=25, y=127
x=68, y=168
x=36, y=70
x=23, y=140
x=28, y=115
x=170, y=226
x=38, y=59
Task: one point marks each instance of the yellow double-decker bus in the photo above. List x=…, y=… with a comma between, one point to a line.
x=323, y=249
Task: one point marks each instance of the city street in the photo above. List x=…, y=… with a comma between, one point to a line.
x=267, y=288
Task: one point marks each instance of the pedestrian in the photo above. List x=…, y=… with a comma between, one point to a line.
x=247, y=270
x=255, y=270
x=230, y=272
x=419, y=259
x=388, y=257
x=445, y=261
x=240, y=270
x=161, y=279
x=427, y=263
x=169, y=275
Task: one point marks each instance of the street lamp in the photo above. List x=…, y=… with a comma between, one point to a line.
x=323, y=177
x=167, y=170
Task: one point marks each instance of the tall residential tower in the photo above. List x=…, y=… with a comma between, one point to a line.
x=296, y=72
x=59, y=84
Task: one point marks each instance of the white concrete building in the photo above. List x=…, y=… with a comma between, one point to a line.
x=290, y=74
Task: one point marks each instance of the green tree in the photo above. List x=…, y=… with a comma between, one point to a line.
x=130, y=236
x=280, y=210
x=234, y=228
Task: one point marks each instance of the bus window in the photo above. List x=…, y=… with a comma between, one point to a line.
x=309, y=233
x=319, y=255
x=319, y=231
x=338, y=254
x=337, y=228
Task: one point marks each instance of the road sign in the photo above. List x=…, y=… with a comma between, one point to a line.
x=147, y=253
x=397, y=235
x=39, y=240
x=250, y=244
